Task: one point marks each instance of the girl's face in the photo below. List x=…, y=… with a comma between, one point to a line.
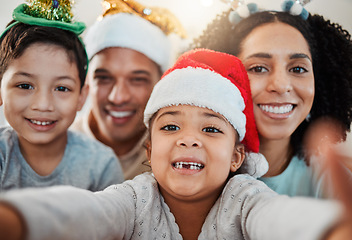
x=192, y=152
x=40, y=93
x=279, y=65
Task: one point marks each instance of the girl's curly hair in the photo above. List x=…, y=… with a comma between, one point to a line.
x=331, y=50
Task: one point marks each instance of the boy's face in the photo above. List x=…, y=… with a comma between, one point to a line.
x=120, y=83
x=40, y=94
x=192, y=152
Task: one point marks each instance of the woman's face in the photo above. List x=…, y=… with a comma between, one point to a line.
x=279, y=65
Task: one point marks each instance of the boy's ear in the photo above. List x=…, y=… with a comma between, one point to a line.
x=82, y=97
x=237, y=158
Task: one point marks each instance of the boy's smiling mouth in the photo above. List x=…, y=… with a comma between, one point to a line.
x=41, y=123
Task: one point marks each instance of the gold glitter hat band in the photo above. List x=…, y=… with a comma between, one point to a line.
x=126, y=27
x=161, y=17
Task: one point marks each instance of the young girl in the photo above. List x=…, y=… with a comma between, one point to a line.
x=200, y=120
x=42, y=72
x=300, y=70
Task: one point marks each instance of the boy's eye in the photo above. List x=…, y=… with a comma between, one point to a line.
x=62, y=89
x=258, y=69
x=170, y=128
x=25, y=86
x=298, y=70
x=211, y=130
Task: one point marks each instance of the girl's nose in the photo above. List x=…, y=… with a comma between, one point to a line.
x=189, y=141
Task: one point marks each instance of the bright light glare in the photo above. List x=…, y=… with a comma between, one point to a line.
x=206, y=3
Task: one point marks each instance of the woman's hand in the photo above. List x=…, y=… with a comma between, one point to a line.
x=321, y=139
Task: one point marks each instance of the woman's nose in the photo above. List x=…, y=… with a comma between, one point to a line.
x=279, y=82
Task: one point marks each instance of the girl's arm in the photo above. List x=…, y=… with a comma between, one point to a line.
x=64, y=212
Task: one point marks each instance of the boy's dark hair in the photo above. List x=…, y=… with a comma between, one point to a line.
x=19, y=37
x=331, y=50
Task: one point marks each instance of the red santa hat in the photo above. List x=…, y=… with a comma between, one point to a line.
x=217, y=81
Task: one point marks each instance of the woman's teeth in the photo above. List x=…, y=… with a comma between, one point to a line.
x=277, y=109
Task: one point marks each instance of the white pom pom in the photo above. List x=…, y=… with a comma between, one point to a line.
x=255, y=165
x=296, y=9
x=243, y=11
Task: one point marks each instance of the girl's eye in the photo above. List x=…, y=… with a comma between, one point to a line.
x=298, y=70
x=25, y=86
x=62, y=89
x=170, y=128
x=258, y=69
x=211, y=130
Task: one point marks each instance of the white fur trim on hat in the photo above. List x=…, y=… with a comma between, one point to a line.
x=130, y=31
x=181, y=87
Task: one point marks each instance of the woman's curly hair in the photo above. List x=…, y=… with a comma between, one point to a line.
x=331, y=50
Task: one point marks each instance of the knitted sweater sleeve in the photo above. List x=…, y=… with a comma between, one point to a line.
x=65, y=212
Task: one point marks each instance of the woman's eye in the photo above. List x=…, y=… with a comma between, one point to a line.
x=258, y=69
x=25, y=86
x=298, y=70
x=170, y=128
x=62, y=89
x=211, y=130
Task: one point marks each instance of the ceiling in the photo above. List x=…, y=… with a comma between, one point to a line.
x=195, y=14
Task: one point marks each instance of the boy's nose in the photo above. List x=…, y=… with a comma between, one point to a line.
x=42, y=101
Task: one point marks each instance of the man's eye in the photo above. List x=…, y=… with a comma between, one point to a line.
x=103, y=78
x=25, y=86
x=211, y=130
x=170, y=128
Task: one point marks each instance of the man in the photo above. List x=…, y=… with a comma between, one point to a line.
x=129, y=49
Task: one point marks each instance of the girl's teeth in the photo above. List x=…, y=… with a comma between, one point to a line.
x=277, y=109
x=188, y=165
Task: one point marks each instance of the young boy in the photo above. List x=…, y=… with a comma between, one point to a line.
x=43, y=68
x=200, y=120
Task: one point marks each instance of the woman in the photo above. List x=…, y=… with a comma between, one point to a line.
x=300, y=71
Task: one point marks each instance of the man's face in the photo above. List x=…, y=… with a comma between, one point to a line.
x=120, y=82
